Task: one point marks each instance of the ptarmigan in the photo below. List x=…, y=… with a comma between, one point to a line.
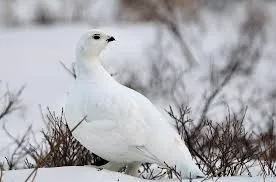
x=120, y=124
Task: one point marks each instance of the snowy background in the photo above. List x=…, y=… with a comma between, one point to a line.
x=36, y=35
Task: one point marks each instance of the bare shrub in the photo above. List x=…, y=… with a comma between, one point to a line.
x=222, y=148
x=43, y=14
x=152, y=173
x=62, y=148
x=217, y=82
x=10, y=102
x=148, y=10
x=58, y=147
x=1, y=172
x=219, y=148
x=20, y=153
x=166, y=13
x=164, y=74
x=248, y=49
x=267, y=144
x=242, y=59
x=158, y=173
x=166, y=77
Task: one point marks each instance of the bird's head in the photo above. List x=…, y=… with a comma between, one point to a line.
x=92, y=43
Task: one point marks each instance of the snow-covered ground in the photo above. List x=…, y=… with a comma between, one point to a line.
x=89, y=174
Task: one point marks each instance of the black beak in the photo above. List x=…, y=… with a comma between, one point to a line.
x=110, y=39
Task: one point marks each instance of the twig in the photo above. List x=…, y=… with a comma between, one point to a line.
x=1, y=173
x=174, y=171
x=71, y=72
x=53, y=148
x=229, y=75
x=12, y=103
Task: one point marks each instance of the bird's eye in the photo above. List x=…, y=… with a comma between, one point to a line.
x=96, y=37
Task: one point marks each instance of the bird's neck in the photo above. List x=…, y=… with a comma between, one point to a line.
x=91, y=69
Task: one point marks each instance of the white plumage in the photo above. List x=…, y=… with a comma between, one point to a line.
x=121, y=125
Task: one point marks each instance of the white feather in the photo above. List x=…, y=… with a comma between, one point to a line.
x=120, y=125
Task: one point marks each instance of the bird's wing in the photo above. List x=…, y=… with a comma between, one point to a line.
x=150, y=157
x=119, y=113
x=121, y=116
x=102, y=125
x=132, y=136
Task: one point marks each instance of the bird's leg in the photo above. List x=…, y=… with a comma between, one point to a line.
x=132, y=168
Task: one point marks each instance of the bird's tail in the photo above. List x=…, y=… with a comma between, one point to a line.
x=186, y=166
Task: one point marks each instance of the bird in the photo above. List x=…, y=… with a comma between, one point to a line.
x=118, y=123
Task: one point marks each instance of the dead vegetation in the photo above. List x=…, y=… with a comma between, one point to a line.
x=1, y=172
x=57, y=148
x=220, y=148
x=10, y=102
x=267, y=144
x=150, y=10
x=62, y=148
x=167, y=76
x=166, y=13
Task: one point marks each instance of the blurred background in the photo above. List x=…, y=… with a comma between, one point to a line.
x=214, y=56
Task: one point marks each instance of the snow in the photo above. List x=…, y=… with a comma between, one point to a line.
x=90, y=174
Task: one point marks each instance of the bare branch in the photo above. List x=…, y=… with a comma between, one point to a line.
x=219, y=148
x=71, y=71
x=1, y=172
x=225, y=80
x=13, y=102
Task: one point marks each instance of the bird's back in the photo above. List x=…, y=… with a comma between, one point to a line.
x=163, y=141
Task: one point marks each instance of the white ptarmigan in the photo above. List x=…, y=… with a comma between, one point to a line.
x=120, y=124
